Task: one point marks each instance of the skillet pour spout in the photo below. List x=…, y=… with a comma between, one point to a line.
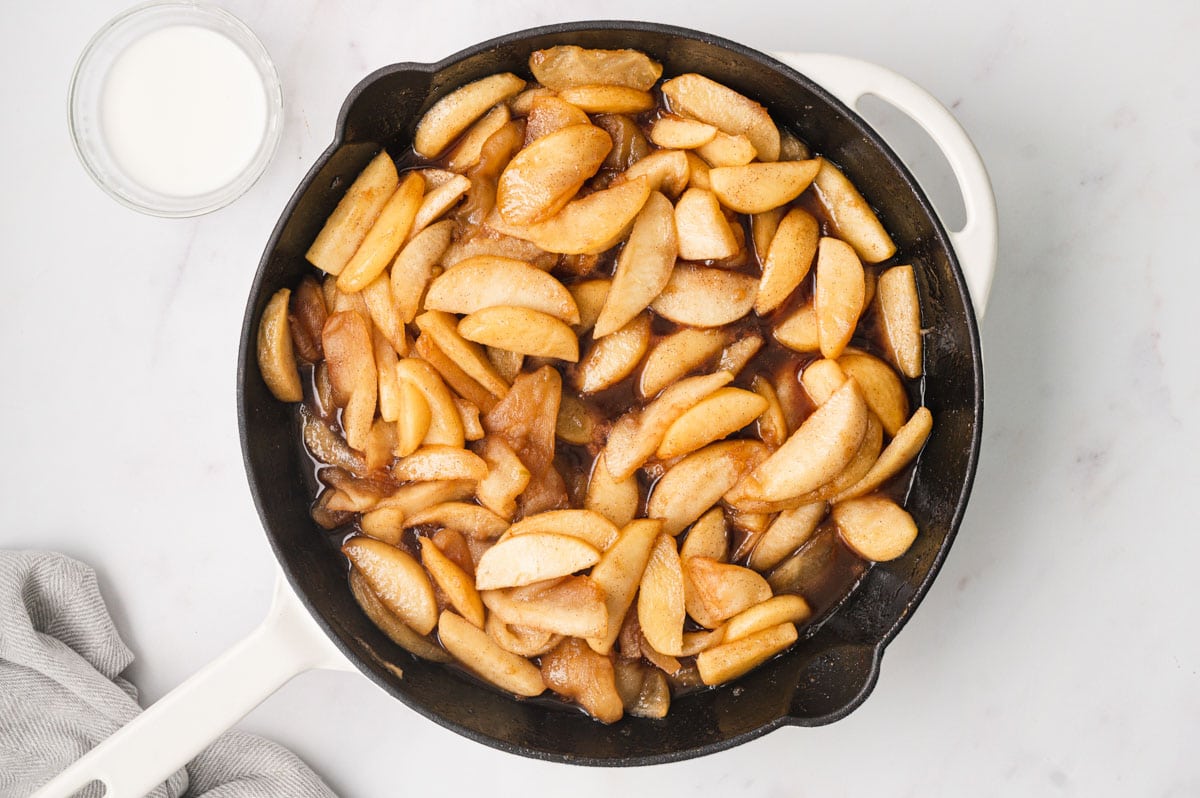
x=827, y=674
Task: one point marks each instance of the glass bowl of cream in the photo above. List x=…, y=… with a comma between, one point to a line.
x=175, y=108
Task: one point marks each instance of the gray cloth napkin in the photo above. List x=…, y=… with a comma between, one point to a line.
x=61, y=692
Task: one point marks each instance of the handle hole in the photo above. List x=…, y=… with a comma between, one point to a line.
x=920, y=154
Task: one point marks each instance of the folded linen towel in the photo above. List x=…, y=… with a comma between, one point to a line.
x=61, y=692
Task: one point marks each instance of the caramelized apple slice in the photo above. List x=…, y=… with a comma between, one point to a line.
x=454, y=113
x=704, y=99
x=719, y=414
x=876, y=528
x=471, y=646
x=569, y=65
x=853, y=220
x=759, y=187
x=698, y=481
x=815, y=453
x=731, y=660
x=576, y=672
x=900, y=318
x=518, y=329
x=357, y=210
x=613, y=358
x=275, y=358
x=397, y=579
x=660, y=607
x=619, y=573
x=643, y=267
x=543, y=177
x=704, y=297
x=791, y=253
x=838, y=298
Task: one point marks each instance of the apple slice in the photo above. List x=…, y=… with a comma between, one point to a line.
x=475, y=521
x=357, y=210
x=569, y=65
x=788, y=260
x=776, y=610
x=453, y=581
x=815, y=453
x=759, y=187
x=899, y=453
x=471, y=646
x=900, y=318
x=416, y=496
x=590, y=527
x=457, y=111
x=385, y=237
x=637, y=434
x=619, y=573
x=543, y=177
x=660, y=607
x=730, y=660
x=680, y=133
x=396, y=630
x=697, y=482
x=440, y=462
x=442, y=328
x=704, y=232
x=533, y=557
x=719, y=414
x=572, y=606
x=593, y=224
x=800, y=331
x=466, y=153
x=699, y=296
x=524, y=641
x=838, y=298
x=881, y=388
x=549, y=113
x=772, y=424
x=698, y=170
x=507, y=477
x=517, y=329
x=350, y=359
x=412, y=268
x=727, y=150
x=708, y=537
x=704, y=99
x=397, y=579
x=718, y=591
x=876, y=528
x=485, y=281
x=789, y=531
x=608, y=99
x=589, y=296
x=859, y=466
x=276, y=360
x=667, y=171
x=853, y=220
x=738, y=354
x=581, y=675
x=616, y=500
x=445, y=425
x=613, y=358
x=763, y=227
x=437, y=201
x=413, y=416
x=821, y=379
x=643, y=267
x=677, y=354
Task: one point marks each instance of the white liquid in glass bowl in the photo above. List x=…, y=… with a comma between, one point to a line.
x=175, y=108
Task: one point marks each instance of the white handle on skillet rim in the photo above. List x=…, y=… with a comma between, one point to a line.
x=849, y=79
x=146, y=751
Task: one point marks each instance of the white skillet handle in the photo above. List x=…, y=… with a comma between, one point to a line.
x=147, y=750
x=849, y=79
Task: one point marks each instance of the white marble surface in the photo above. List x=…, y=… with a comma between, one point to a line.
x=1056, y=654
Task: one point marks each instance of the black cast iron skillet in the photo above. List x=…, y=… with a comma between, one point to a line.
x=823, y=677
